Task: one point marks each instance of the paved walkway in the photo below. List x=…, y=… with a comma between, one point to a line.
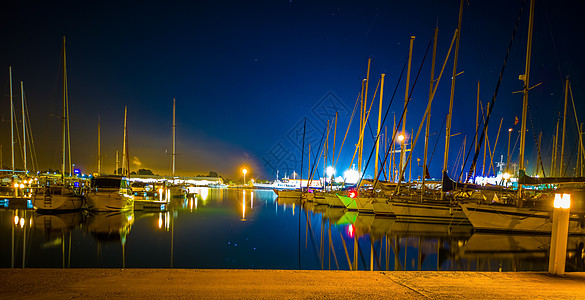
x=246, y=284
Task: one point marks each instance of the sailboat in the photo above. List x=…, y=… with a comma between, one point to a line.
x=530, y=214
x=174, y=188
x=112, y=192
x=61, y=196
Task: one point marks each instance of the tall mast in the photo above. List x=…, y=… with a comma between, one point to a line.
x=477, y=130
x=555, y=150
x=561, y=173
x=364, y=112
x=64, y=109
x=402, y=144
x=432, y=83
x=334, y=139
x=486, y=143
x=23, y=126
x=11, y=118
x=173, y=154
x=525, y=77
x=68, y=131
x=117, y=161
x=581, y=158
x=124, y=170
x=99, y=154
x=379, y=124
x=454, y=74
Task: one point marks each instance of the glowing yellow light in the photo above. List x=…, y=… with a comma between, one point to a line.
x=204, y=193
x=506, y=176
x=160, y=221
x=562, y=201
x=22, y=186
x=21, y=222
x=16, y=219
x=244, y=205
x=244, y=171
x=401, y=138
x=16, y=184
x=510, y=130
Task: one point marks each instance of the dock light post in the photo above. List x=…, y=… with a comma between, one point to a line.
x=560, y=232
x=244, y=171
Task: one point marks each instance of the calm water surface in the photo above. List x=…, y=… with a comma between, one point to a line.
x=236, y=229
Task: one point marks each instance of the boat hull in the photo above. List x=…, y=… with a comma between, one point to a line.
x=56, y=199
x=109, y=200
x=376, y=206
x=516, y=219
x=429, y=212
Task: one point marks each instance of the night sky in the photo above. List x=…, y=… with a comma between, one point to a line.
x=245, y=74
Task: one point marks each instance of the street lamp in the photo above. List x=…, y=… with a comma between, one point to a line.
x=244, y=171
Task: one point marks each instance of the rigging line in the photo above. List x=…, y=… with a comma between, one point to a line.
x=437, y=140
x=315, y=167
x=535, y=141
x=30, y=137
x=317, y=154
x=564, y=172
x=366, y=118
x=430, y=102
x=577, y=120
x=404, y=110
x=388, y=110
x=19, y=142
x=375, y=139
x=348, y=126
x=483, y=132
x=459, y=156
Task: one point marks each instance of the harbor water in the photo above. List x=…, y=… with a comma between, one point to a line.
x=253, y=229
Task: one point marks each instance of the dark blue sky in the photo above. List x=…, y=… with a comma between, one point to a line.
x=245, y=73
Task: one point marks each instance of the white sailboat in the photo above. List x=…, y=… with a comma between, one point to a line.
x=173, y=187
x=535, y=217
x=54, y=196
x=112, y=192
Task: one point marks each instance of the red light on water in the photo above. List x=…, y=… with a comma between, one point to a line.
x=352, y=194
x=350, y=231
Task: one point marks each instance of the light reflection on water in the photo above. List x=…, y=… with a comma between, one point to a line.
x=229, y=228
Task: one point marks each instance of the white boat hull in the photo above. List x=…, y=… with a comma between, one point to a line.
x=109, y=200
x=56, y=199
x=430, y=212
x=515, y=219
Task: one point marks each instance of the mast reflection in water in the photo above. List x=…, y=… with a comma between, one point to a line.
x=229, y=228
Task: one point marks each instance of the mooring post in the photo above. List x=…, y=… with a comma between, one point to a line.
x=559, y=235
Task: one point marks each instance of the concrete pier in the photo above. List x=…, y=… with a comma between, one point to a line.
x=246, y=284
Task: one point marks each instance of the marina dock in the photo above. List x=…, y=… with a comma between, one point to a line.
x=246, y=284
